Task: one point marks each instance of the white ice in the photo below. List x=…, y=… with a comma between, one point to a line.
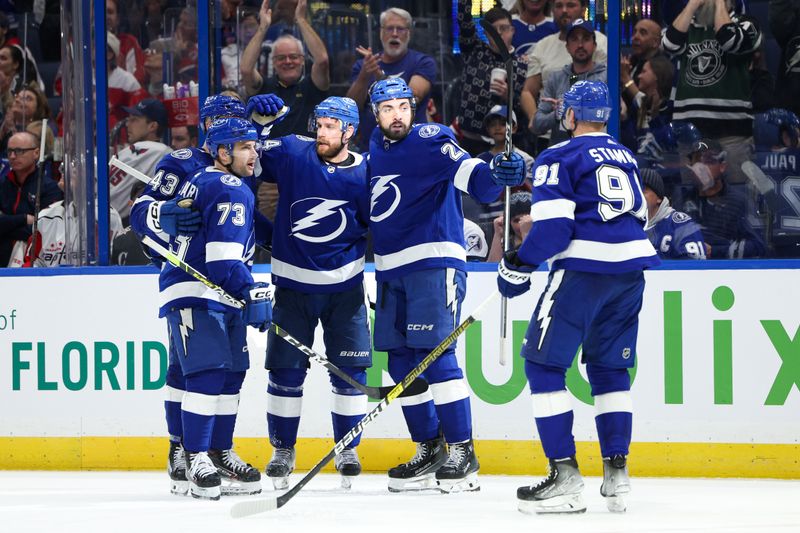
x=119, y=502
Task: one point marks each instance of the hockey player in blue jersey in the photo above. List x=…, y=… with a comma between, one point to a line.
x=208, y=333
x=588, y=214
x=318, y=271
x=672, y=233
x=417, y=174
x=156, y=213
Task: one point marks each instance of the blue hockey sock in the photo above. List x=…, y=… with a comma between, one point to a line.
x=613, y=408
x=451, y=399
x=175, y=389
x=227, y=409
x=200, y=407
x=349, y=404
x=418, y=410
x=552, y=409
x=284, y=403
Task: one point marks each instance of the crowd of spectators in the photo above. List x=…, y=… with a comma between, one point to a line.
x=704, y=103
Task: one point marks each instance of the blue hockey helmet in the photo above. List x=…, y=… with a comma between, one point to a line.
x=341, y=108
x=769, y=127
x=220, y=106
x=225, y=132
x=389, y=89
x=589, y=100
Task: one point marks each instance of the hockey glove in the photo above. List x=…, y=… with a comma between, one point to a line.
x=176, y=217
x=508, y=172
x=266, y=110
x=513, y=277
x=258, y=306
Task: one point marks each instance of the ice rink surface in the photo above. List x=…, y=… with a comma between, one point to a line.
x=118, y=502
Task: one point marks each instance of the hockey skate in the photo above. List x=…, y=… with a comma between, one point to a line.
x=348, y=465
x=176, y=468
x=460, y=472
x=419, y=473
x=559, y=492
x=237, y=477
x=202, y=475
x=280, y=466
x=616, y=482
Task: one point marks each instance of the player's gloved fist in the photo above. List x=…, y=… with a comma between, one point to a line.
x=258, y=306
x=177, y=217
x=508, y=172
x=266, y=109
x=513, y=277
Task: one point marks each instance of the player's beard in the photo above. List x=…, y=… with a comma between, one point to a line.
x=396, y=134
x=328, y=150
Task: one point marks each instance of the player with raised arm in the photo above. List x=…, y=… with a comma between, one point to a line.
x=318, y=271
x=417, y=174
x=208, y=333
x=156, y=213
x=588, y=214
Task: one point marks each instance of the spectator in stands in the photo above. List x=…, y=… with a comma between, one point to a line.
x=50, y=168
x=123, y=89
x=581, y=44
x=13, y=64
x=762, y=82
x=29, y=104
x=673, y=234
x=479, y=90
x=131, y=55
x=300, y=92
x=182, y=46
x=714, y=47
x=645, y=43
x=550, y=54
x=18, y=193
x=231, y=53
x=183, y=137
x=720, y=207
x=650, y=107
x=395, y=59
x=521, y=223
x=784, y=21
x=531, y=24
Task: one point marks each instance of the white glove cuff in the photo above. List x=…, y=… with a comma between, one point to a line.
x=153, y=216
x=515, y=277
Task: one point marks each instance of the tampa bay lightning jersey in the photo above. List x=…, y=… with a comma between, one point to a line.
x=223, y=248
x=322, y=216
x=675, y=235
x=588, y=209
x=415, y=206
x=783, y=169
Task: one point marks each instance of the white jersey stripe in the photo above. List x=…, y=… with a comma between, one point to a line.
x=224, y=251
x=419, y=252
x=190, y=289
x=461, y=179
x=417, y=399
x=606, y=252
x=314, y=277
x=548, y=209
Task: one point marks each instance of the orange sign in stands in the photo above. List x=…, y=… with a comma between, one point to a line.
x=182, y=111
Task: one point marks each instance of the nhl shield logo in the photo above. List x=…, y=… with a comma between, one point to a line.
x=626, y=353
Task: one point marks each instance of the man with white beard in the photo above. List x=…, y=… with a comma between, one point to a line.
x=396, y=60
x=714, y=46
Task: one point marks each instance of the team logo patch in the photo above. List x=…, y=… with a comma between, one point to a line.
x=428, y=130
x=678, y=217
x=385, y=197
x=269, y=144
x=183, y=153
x=317, y=219
x=233, y=181
x=705, y=64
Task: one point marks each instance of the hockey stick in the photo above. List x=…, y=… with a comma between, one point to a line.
x=270, y=503
x=377, y=393
x=508, y=61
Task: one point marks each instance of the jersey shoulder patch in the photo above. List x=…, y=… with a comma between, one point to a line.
x=183, y=153
x=428, y=130
x=304, y=138
x=269, y=144
x=679, y=217
x=228, y=179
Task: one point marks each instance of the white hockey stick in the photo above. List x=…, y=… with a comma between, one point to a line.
x=270, y=503
x=127, y=169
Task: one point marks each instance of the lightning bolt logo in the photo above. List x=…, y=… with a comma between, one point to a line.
x=381, y=185
x=547, y=304
x=315, y=214
x=186, y=325
x=451, y=289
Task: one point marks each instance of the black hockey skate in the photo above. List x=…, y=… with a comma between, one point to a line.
x=348, y=466
x=238, y=477
x=419, y=473
x=280, y=466
x=460, y=472
x=204, y=480
x=559, y=492
x=616, y=482
x=176, y=468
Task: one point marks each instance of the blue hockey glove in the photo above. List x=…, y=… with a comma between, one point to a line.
x=513, y=277
x=508, y=172
x=266, y=110
x=176, y=217
x=258, y=306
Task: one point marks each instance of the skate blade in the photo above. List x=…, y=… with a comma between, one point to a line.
x=616, y=504
x=204, y=493
x=241, y=488
x=414, y=484
x=566, y=504
x=465, y=484
x=347, y=482
x=179, y=488
x=280, y=483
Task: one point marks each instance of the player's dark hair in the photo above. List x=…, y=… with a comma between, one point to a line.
x=495, y=14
